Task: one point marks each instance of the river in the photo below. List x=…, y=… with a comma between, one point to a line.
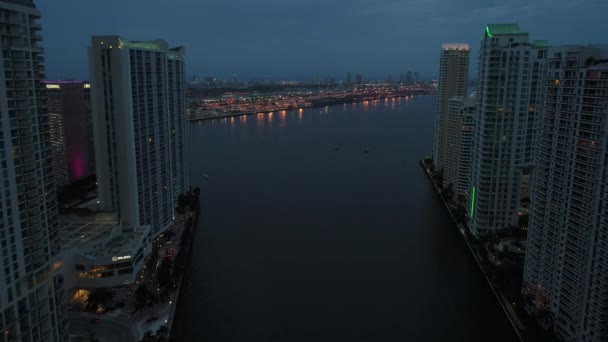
x=304, y=236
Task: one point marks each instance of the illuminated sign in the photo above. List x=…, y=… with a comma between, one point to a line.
x=119, y=258
x=53, y=86
x=87, y=86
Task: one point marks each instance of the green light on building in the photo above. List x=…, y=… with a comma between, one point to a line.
x=473, y=198
x=489, y=35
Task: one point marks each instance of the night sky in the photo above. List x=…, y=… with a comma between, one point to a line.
x=306, y=39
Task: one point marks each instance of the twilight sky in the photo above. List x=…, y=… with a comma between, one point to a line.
x=307, y=38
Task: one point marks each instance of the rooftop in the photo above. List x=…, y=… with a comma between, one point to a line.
x=99, y=234
x=455, y=46
x=123, y=243
x=502, y=29
x=77, y=230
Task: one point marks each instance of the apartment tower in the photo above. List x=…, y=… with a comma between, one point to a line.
x=453, y=75
x=459, y=152
x=566, y=268
x=138, y=96
x=509, y=70
x=32, y=300
x=69, y=106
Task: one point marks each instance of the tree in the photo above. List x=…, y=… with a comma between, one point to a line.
x=182, y=200
x=179, y=263
x=142, y=296
x=164, y=273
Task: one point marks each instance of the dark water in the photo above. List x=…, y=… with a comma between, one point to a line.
x=303, y=242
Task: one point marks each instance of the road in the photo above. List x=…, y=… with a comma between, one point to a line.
x=106, y=330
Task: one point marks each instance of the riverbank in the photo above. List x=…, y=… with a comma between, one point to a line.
x=310, y=105
x=509, y=311
x=187, y=236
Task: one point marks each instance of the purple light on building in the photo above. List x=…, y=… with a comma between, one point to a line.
x=71, y=130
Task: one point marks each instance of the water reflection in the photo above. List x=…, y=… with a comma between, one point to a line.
x=259, y=118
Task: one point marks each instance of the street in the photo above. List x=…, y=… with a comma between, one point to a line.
x=106, y=330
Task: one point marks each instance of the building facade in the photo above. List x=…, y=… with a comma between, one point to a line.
x=32, y=300
x=509, y=70
x=69, y=106
x=566, y=268
x=453, y=75
x=459, y=153
x=98, y=253
x=137, y=91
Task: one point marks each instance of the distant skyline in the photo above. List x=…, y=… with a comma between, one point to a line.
x=276, y=39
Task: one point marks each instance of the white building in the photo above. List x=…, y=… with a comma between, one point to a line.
x=453, y=76
x=509, y=68
x=137, y=91
x=32, y=301
x=459, y=152
x=98, y=253
x=566, y=269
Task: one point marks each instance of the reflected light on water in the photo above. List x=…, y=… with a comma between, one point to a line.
x=300, y=114
x=270, y=117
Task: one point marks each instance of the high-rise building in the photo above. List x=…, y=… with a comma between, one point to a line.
x=69, y=106
x=459, y=149
x=509, y=70
x=359, y=79
x=566, y=268
x=32, y=300
x=453, y=74
x=349, y=78
x=402, y=77
x=137, y=90
x=408, y=77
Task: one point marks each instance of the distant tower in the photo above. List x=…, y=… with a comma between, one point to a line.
x=565, y=272
x=408, y=77
x=509, y=70
x=402, y=78
x=138, y=94
x=359, y=79
x=69, y=105
x=453, y=73
x=235, y=80
x=349, y=78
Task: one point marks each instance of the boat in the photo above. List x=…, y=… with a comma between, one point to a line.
x=205, y=175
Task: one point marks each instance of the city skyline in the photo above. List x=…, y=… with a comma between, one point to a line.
x=351, y=33
x=296, y=190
